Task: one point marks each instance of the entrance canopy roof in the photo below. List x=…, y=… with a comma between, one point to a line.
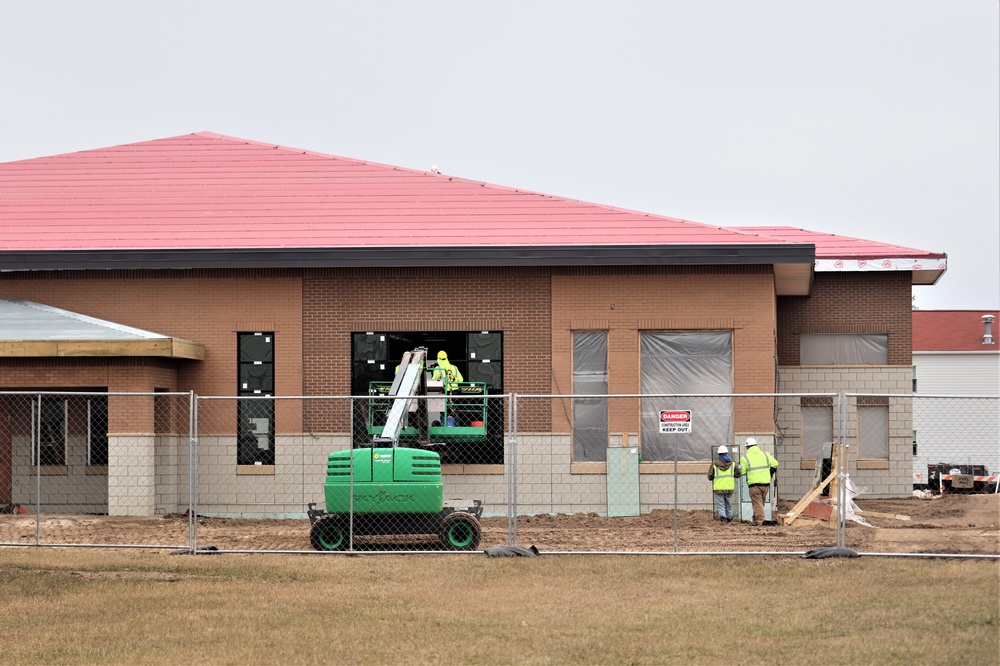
x=30, y=329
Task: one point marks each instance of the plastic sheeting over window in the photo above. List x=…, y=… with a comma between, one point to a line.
x=676, y=363
x=844, y=349
x=590, y=377
x=817, y=430
x=873, y=431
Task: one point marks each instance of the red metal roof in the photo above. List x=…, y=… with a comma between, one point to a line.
x=836, y=254
x=216, y=192
x=831, y=246
x=953, y=330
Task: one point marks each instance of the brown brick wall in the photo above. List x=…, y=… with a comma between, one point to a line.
x=737, y=299
x=115, y=374
x=871, y=302
x=127, y=414
x=336, y=303
x=204, y=306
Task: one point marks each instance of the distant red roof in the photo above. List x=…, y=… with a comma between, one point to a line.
x=953, y=330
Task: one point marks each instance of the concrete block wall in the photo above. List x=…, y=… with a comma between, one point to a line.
x=547, y=484
x=894, y=479
x=131, y=475
x=171, y=463
x=284, y=491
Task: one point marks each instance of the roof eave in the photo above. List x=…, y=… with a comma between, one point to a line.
x=480, y=255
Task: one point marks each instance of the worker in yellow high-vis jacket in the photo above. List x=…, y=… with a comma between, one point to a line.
x=759, y=467
x=722, y=474
x=447, y=372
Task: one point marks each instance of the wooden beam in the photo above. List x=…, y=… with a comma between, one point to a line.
x=158, y=347
x=807, y=499
x=806, y=520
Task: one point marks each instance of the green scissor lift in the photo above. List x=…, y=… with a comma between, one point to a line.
x=392, y=489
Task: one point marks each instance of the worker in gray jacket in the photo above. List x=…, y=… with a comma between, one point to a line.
x=722, y=474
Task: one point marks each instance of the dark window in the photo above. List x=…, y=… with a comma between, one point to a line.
x=255, y=417
x=478, y=355
x=49, y=441
x=97, y=431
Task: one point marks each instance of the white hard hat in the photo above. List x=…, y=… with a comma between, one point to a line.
x=751, y=441
x=723, y=449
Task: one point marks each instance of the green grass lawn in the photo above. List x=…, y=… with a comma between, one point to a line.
x=75, y=606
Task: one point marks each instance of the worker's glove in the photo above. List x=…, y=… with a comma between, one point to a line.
x=774, y=472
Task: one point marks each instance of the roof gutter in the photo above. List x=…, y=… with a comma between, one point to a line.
x=396, y=257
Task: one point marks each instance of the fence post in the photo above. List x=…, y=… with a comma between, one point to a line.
x=512, y=474
x=36, y=441
x=192, y=472
x=842, y=469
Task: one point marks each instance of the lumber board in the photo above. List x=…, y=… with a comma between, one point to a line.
x=807, y=499
x=879, y=514
x=806, y=520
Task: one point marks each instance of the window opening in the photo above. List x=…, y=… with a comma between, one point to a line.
x=255, y=417
x=817, y=428
x=844, y=349
x=873, y=427
x=689, y=363
x=97, y=431
x=590, y=377
x=478, y=356
x=48, y=442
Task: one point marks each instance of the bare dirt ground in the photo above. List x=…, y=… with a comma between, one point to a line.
x=950, y=524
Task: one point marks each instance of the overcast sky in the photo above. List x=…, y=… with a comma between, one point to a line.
x=878, y=120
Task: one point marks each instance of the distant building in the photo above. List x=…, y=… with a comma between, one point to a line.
x=955, y=353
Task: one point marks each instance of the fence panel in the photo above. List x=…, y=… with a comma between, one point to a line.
x=956, y=442
x=594, y=473
x=95, y=469
x=630, y=472
x=342, y=473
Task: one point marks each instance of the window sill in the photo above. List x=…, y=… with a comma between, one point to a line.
x=588, y=468
x=873, y=464
x=97, y=470
x=50, y=470
x=663, y=467
x=255, y=470
x=462, y=470
x=644, y=468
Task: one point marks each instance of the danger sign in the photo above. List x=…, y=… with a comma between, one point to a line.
x=675, y=420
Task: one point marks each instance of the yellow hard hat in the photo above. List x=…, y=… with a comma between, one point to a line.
x=442, y=354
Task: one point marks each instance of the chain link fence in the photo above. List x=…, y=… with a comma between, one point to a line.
x=955, y=443
x=464, y=470
x=70, y=462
